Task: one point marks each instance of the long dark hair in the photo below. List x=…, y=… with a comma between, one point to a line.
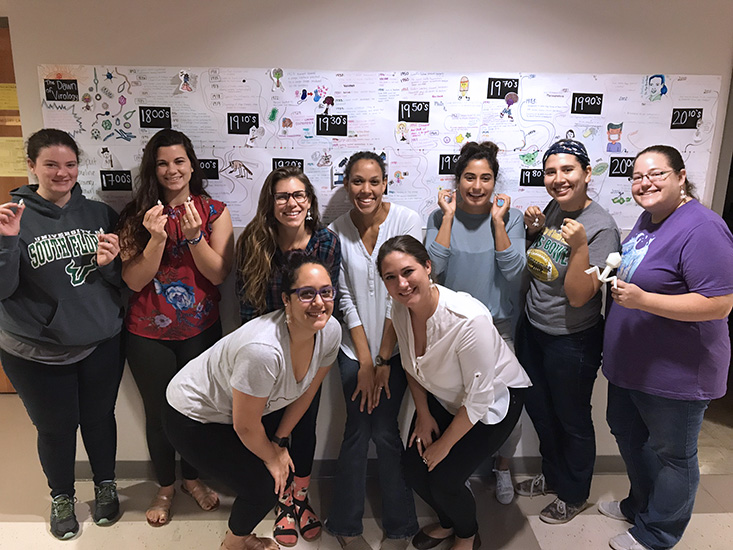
x=257, y=244
x=133, y=235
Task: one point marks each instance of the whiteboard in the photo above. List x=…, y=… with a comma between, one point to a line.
x=244, y=121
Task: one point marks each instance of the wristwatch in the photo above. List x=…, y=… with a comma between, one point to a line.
x=380, y=361
x=280, y=441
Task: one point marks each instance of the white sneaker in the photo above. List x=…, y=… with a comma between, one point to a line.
x=504, y=486
x=626, y=541
x=612, y=509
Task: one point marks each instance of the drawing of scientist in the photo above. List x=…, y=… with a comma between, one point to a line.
x=614, y=137
x=657, y=87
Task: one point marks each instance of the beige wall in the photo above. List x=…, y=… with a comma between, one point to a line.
x=563, y=36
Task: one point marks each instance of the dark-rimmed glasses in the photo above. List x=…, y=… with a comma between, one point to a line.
x=655, y=176
x=283, y=198
x=307, y=294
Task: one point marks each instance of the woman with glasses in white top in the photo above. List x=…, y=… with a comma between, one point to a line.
x=232, y=409
x=287, y=218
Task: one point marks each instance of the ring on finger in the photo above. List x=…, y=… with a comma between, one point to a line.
x=425, y=461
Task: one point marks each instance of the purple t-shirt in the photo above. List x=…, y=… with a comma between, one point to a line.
x=690, y=251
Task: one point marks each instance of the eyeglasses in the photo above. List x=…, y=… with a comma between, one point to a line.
x=283, y=198
x=654, y=177
x=307, y=293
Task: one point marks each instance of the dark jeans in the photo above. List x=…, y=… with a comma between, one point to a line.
x=563, y=369
x=217, y=451
x=347, y=507
x=445, y=488
x=153, y=363
x=60, y=398
x=657, y=438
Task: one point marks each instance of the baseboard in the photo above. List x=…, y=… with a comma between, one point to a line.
x=521, y=465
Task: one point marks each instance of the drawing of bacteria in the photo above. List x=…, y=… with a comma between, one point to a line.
x=599, y=169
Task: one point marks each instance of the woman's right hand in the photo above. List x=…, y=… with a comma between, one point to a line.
x=154, y=221
x=534, y=219
x=280, y=468
x=365, y=386
x=10, y=214
x=426, y=431
x=447, y=201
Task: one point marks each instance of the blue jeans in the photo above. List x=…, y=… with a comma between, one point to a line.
x=563, y=369
x=347, y=506
x=657, y=438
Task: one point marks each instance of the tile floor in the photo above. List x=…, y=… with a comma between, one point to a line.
x=25, y=506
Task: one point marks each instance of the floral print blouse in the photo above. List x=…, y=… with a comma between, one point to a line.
x=179, y=302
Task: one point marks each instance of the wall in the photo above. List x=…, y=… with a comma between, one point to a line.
x=564, y=36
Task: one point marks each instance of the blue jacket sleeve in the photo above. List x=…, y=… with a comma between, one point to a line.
x=513, y=260
x=439, y=254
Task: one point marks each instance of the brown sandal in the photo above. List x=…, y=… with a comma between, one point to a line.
x=199, y=493
x=162, y=504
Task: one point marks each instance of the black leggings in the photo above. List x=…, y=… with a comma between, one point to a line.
x=444, y=489
x=217, y=451
x=153, y=363
x=60, y=398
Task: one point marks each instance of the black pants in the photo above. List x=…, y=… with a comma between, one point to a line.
x=153, y=363
x=444, y=489
x=217, y=451
x=60, y=398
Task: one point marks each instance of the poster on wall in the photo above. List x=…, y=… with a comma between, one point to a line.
x=244, y=122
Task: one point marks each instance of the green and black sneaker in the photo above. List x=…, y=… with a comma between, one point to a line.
x=63, y=520
x=106, y=503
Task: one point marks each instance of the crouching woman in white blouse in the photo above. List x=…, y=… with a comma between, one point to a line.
x=466, y=383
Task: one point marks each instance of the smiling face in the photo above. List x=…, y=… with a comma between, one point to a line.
x=309, y=316
x=476, y=187
x=366, y=186
x=291, y=214
x=661, y=197
x=56, y=167
x=406, y=279
x=173, y=169
x=567, y=181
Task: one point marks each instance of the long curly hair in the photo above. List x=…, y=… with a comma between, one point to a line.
x=257, y=244
x=133, y=235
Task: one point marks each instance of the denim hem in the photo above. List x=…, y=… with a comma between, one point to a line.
x=336, y=534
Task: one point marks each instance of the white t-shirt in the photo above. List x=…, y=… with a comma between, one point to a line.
x=466, y=361
x=254, y=359
x=363, y=298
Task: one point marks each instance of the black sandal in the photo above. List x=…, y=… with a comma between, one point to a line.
x=302, y=506
x=284, y=511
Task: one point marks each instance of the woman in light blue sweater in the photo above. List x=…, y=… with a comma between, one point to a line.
x=476, y=245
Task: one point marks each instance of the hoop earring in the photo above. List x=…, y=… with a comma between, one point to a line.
x=308, y=216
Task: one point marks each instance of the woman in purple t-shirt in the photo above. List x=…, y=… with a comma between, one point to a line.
x=666, y=347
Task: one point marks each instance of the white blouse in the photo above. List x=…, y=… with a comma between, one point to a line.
x=466, y=362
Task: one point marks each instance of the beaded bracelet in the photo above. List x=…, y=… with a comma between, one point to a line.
x=196, y=240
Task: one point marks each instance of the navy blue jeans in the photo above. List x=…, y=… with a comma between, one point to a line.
x=563, y=369
x=60, y=399
x=657, y=438
x=347, y=506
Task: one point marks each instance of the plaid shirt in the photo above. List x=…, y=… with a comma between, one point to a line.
x=324, y=244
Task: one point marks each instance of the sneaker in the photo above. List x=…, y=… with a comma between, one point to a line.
x=626, y=541
x=106, y=503
x=504, y=486
x=63, y=520
x=534, y=486
x=612, y=509
x=559, y=511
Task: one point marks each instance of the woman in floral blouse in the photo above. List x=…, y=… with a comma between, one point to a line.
x=176, y=246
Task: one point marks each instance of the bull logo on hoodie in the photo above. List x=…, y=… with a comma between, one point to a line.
x=79, y=273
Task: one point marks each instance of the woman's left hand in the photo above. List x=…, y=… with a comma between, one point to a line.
x=500, y=207
x=280, y=468
x=381, y=384
x=574, y=233
x=627, y=295
x=190, y=221
x=108, y=247
x=435, y=453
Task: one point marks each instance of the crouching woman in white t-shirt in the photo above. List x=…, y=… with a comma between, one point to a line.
x=232, y=409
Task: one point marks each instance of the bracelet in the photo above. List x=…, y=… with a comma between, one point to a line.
x=280, y=441
x=196, y=240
